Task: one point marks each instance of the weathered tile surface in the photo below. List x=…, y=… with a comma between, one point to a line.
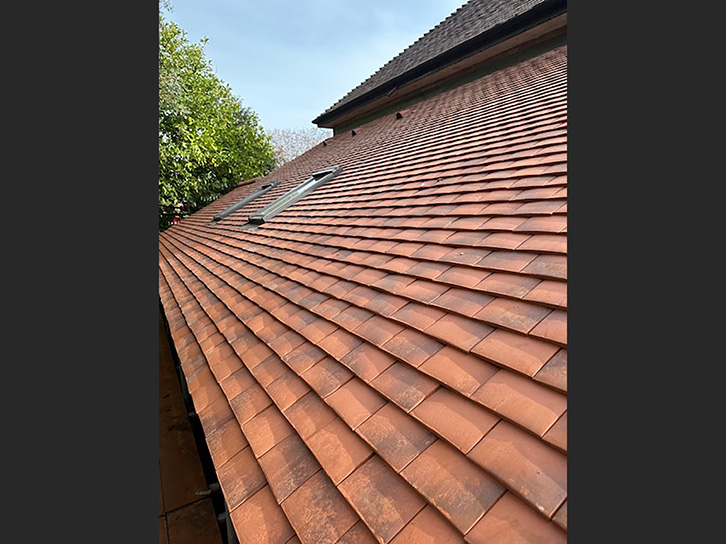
x=386, y=359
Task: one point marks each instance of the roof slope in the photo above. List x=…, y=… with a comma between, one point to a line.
x=470, y=20
x=386, y=360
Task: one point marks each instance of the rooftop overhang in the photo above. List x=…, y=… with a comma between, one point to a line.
x=542, y=22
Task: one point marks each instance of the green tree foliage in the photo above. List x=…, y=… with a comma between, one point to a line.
x=208, y=142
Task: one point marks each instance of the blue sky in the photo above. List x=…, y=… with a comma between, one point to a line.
x=290, y=60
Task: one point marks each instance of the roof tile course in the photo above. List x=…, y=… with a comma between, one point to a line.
x=318, y=512
x=260, y=520
x=527, y=466
x=458, y=488
x=395, y=436
x=382, y=498
x=511, y=521
x=287, y=466
x=386, y=359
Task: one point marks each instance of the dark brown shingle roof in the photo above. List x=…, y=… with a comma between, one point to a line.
x=474, y=18
x=386, y=360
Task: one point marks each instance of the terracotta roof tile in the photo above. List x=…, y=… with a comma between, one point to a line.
x=358, y=534
x=515, y=351
x=511, y=285
x=351, y=316
x=225, y=441
x=458, y=488
x=287, y=466
x=510, y=261
x=560, y=517
x=553, y=328
x=328, y=309
x=378, y=330
x=521, y=400
x=554, y=373
x=513, y=314
x=318, y=512
x=557, y=435
x=355, y=402
x=459, y=421
x=268, y=428
x=460, y=371
x=461, y=276
x=361, y=295
x=256, y=354
x=428, y=269
x=269, y=370
x=249, y=403
x=385, y=304
x=418, y=316
x=287, y=389
x=423, y=290
x=458, y=331
x=202, y=379
x=428, y=527
x=395, y=436
x=545, y=243
x=383, y=500
x=326, y=376
x=463, y=301
x=367, y=361
x=240, y=478
x=400, y=264
x=339, y=450
x=548, y=266
x=304, y=357
x=404, y=385
x=259, y=520
x=339, y=344
x=549, y=292
x=393, y=283
x=315, y=331
x=532, y=470
x=308, y=415
x=553, y=223
x=412, y=346
x=511, y=521
x=236, y=383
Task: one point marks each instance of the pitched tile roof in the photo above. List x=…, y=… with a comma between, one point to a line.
x=386, y=360
x=473, y=19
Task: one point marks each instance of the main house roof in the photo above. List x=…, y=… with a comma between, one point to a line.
x=386, y=359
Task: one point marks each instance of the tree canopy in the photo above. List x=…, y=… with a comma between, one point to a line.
x=290, y=143
x=208, y=142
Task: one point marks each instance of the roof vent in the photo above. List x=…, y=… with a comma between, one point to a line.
x=399, y=115
x=353, y=133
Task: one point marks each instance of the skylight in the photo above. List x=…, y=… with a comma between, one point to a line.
x=293, y=195
x=246, y=200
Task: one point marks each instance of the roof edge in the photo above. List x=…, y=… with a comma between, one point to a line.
x=535, y=16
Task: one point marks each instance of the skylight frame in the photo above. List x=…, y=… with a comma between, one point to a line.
x=246, y=200
x=294, y=195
